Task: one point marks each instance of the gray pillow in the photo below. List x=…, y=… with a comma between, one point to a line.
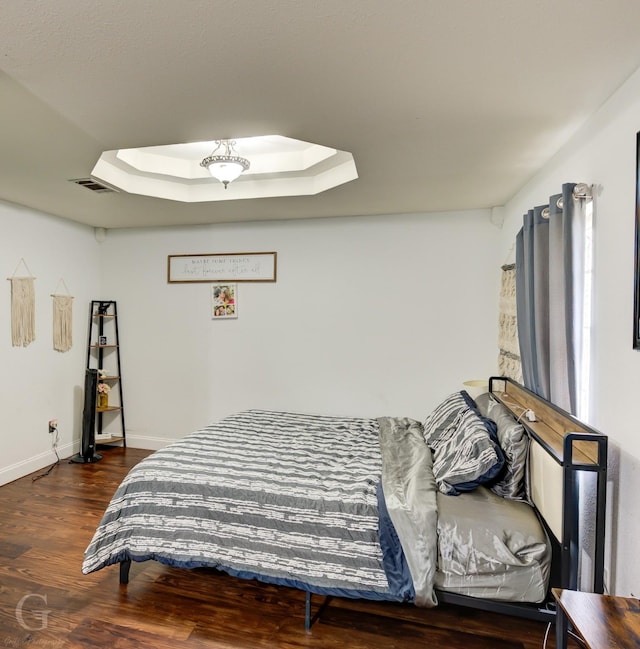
x=444, y=414
x=466, y=454
x=514, y=441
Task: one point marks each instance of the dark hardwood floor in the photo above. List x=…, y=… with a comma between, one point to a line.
x=46, y=602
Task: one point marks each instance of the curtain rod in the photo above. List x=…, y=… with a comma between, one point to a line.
x=581, y=190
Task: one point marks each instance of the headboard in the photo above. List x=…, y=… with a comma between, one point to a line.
x=562, y=451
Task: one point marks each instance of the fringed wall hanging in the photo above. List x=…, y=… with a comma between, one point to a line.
x=62, y=319
x=509, y=357
x=23, y=308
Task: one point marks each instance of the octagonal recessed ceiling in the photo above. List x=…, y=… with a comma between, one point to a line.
x=280, y=166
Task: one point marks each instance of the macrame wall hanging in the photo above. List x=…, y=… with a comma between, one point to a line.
x=62, y=319
x=509, y=357
x=23, y=308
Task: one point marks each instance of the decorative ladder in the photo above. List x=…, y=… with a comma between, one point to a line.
x=103, y=353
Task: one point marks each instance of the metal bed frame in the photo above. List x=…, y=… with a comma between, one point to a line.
x=577, y=449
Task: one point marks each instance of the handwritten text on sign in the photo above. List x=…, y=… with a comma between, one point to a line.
x=237, y=267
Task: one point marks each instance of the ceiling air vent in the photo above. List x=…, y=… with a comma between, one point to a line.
x=93, y=185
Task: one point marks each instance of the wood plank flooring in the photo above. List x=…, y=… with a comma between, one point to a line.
x=47, y=603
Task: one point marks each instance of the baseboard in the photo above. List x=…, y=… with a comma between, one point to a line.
x=147, y=442
x=40, y=461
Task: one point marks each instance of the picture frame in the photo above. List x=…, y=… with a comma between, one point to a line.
x=224, y=301
x=636, y=263
x=102, y=341
x=222, y=267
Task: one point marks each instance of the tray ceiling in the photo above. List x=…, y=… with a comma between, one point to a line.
x=444, y=105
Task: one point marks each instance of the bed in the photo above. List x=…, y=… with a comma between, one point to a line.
x=456, y=508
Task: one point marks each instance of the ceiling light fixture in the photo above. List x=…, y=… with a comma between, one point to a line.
x=225, y=167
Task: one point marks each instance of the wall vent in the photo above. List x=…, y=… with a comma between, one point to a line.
x=93, y=185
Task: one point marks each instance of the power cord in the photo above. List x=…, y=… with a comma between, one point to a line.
x=573, y=635
x=54, y=444
x=526, y=413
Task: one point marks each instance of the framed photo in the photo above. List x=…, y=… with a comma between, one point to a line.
x=102, y=340
x=233, y=267
x=636, y=276
x=224, y=301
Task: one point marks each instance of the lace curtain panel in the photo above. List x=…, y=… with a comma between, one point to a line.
x=509, y=356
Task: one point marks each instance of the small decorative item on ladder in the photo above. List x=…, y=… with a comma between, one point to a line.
x=103, y=395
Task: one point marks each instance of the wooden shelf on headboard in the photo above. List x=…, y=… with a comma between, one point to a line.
x=564, y=450
x=551, y=425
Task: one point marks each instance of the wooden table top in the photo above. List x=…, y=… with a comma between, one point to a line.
x=603, y=621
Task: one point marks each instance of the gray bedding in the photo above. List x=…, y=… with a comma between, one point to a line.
x=293, y=499
x=410, y=496
x=486, y=546
x=491, y=547
x=286, y=498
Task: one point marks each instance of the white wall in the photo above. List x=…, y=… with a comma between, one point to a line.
x=603, y=154
x=37, y=383
x=369, y=316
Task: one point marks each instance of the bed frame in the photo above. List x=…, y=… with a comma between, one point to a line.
x=562, y=452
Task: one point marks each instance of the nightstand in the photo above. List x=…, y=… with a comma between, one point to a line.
x=602, y=621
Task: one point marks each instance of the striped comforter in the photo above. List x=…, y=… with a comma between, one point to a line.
x=286, y=498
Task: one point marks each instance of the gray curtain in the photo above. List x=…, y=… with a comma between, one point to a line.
x=550, y=296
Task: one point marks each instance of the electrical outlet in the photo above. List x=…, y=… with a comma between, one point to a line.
x=53, y=426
